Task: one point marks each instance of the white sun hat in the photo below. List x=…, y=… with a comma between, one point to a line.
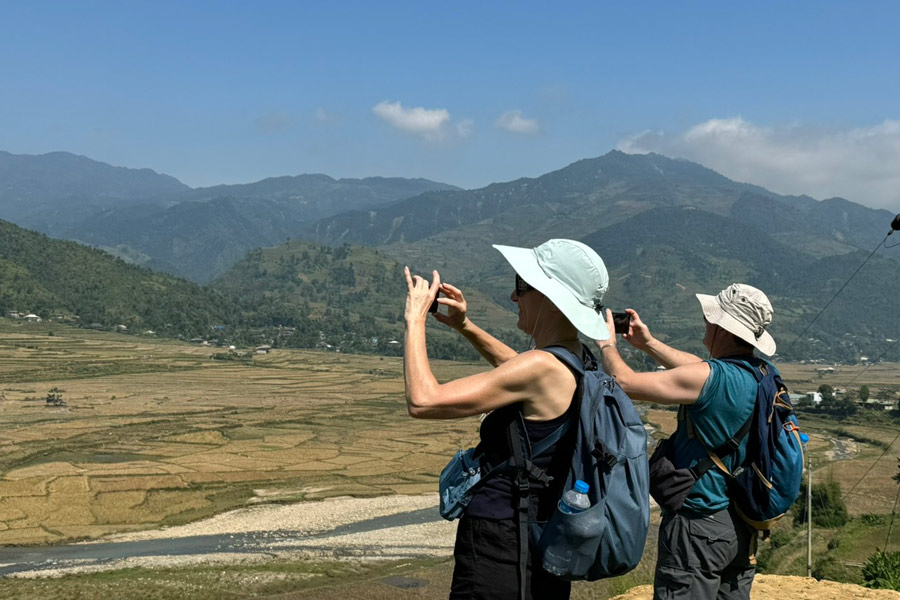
x=571, y=275
x=744, y=311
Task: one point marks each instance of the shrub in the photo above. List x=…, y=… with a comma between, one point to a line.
x=870, y=519
x=832, y=569
x=780, y=537
x=829, y=509
x=882, y=570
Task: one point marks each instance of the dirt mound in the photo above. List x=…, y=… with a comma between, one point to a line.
x=779, y=587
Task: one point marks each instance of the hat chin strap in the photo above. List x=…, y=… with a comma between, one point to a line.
x=532, y=344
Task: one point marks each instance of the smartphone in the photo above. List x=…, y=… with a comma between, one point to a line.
x=435, y=305
x=621, y=320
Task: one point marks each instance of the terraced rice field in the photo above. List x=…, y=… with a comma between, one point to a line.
x=157, y=432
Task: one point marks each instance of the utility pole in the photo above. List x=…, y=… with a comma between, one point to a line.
x=808, y=515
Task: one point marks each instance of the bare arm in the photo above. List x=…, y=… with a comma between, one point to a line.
x=537, y=379
x=677, y=385
x=493, y=350
x=639, y=336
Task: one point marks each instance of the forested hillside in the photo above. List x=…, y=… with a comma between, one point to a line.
x=347, y=298
x=85, y=285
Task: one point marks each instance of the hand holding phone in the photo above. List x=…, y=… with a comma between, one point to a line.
x=621, y=320
x=435, y=305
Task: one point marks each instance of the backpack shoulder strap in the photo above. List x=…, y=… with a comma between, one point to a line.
x=757, y=371
x=715, y=456
x=568, y=358
x=521, y=493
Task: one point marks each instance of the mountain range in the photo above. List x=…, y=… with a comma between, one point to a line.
x=158, y=222
x=666, y=228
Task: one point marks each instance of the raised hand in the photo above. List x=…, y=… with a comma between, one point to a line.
x=420, y=294
x=456, y=307
x=638, y=333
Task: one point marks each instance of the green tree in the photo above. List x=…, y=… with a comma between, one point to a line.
x=827, y=392
x=829, y=509
x=864, y=393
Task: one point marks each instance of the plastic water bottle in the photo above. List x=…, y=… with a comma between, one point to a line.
x=576, y=499
x=558, y=557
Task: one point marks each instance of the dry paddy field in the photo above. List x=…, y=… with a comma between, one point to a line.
x=158, y=433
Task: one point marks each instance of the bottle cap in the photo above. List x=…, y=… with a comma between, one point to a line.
x=804, y=438
x=581, y=486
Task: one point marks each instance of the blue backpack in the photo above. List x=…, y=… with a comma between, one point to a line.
x=610, y=454
x=766, y=484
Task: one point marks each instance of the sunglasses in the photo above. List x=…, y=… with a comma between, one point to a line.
x=522, y=286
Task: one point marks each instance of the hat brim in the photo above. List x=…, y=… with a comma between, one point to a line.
x=713, y=312
x=585, y=319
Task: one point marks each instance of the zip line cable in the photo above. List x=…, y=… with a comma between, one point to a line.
x=872, y=466
x=880, y=356
x=799, y=337
x=887, y=540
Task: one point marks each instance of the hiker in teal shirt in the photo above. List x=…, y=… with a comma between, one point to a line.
x=705, y=549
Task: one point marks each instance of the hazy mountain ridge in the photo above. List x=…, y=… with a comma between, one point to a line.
x=677, y=230
x=55, y=189
x=608, y=189
x=666, y=228
x=138, y=214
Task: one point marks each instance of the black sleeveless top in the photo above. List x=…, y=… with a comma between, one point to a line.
x=495, y=499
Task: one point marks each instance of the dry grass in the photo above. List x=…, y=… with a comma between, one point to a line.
x=156, y=432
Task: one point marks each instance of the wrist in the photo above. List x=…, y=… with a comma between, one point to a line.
x=464, y=325
x=604, y=345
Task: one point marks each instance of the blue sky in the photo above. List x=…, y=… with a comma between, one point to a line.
x=800, y=97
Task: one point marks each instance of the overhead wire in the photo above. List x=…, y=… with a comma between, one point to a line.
x=872, y=466
x=872, y=362
x=846, y=283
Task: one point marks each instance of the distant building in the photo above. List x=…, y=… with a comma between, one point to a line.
x=264, y=349
x=32, y=318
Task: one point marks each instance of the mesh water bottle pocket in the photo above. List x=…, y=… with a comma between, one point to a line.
x=569, y=542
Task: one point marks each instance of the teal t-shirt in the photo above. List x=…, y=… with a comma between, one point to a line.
x=724, y=405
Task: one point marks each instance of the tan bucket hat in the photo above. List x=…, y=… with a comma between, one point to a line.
x=744, y=311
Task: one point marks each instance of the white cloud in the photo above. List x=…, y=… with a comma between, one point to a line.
x=273, y=122
x=861, y=164
x=514, y=122
x=323, y=115
x=428, y=123
x=465, y=128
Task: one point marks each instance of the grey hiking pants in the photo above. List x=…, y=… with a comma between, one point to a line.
x=704, y=557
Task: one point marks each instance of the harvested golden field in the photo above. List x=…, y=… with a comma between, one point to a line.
x=156, y=432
